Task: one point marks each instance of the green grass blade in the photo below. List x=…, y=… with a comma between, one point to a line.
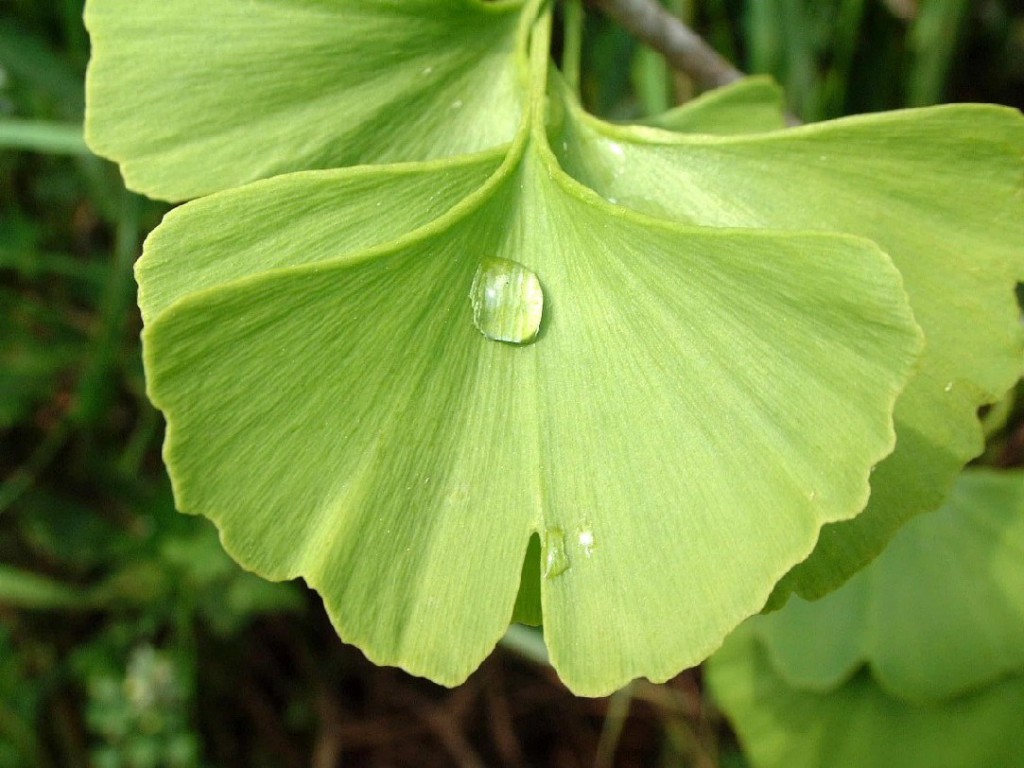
x=42, y=136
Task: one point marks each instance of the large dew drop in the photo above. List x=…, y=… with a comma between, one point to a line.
x=507, y=301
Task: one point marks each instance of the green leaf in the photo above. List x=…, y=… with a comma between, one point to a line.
x=781, y=725
x=22, y=589
x=940, y=612
x=938, y=621
x=938, y=190
x=816, y=660
x=750, y=105
x=194, y=96
x=341, y=407
x=361, y=201
x=340, y=417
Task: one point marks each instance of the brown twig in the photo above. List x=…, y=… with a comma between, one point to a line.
x=681, y=46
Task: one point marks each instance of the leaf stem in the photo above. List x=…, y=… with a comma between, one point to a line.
x=572, y=48
x=681, y=46
x=611, y=732
x=540, y=56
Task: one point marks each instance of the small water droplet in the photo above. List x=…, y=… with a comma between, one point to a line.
x=586, y=541
x=507, y=301
x=613, y=200
x=556, y=559
x=616, y=149
x=427, y=70
x=812, y=495
x=457, y=104
x=948, y=387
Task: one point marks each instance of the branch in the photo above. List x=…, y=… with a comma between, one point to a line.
x=681, y=46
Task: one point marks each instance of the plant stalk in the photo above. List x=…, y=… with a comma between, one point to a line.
x=681, y=46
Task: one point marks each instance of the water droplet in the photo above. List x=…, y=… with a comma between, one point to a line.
x=457, y=104
x=812, y=495
x=427, y=70
x=556, y=559
x=948, y=387
x=586, y=541
x=616, y=149
x=507, y=301
x=612, y=200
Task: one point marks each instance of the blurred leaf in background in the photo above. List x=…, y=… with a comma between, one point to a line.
x=917, y=661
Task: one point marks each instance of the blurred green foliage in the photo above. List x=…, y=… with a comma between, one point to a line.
x=108, y=597
x=833, y=57
x=104, y=588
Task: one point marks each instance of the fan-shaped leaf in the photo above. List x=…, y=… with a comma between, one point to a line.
x=361, y=203
x=345, y=420
x=751, y=105
x=940, y=612
x=859, y=724
x=194, y=96
x=939, y=190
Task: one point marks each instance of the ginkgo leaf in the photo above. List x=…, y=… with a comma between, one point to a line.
x=750, y=105
x=938, y=622
x=939, y=190
x=350, y=420
x=194, y=96
x=940, y=612
x=859, y=724
x=360, y=200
